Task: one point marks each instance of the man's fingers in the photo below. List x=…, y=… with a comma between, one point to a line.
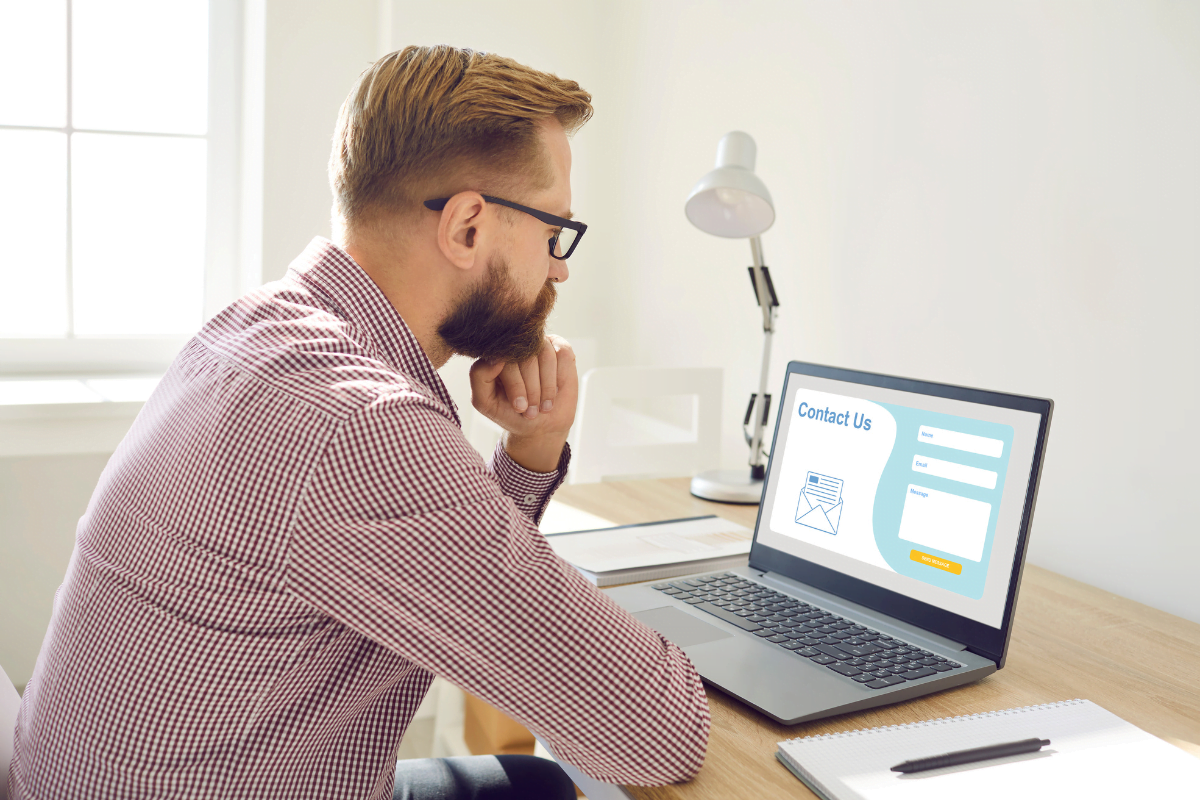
x=514, y=387
x=533, y=386
x=484, y=371
x=548, y=373
x=564, y=362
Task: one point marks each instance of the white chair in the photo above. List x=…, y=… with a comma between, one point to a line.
x=10, y=701
x=646, y=422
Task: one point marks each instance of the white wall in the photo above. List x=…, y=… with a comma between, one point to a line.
x=315, y=50
x=995, y=195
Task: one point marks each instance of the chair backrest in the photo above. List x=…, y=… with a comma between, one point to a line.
x=619, y=433
x=10, y=702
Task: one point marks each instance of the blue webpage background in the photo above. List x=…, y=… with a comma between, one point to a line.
x=898, y=474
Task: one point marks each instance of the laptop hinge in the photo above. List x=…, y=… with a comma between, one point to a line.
x=882, y=622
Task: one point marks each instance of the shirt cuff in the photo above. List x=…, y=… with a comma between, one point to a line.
x=530, y=490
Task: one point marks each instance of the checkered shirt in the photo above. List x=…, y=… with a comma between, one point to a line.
x=291, y=541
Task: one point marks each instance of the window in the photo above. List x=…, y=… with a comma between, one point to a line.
x=117, y=160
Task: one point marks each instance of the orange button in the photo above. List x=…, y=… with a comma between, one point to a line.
x=934, y=561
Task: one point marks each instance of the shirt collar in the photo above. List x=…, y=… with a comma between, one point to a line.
x=335, y=274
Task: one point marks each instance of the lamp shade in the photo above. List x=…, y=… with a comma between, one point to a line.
x=731, y=201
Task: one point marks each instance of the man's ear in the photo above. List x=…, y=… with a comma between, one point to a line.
x=458, y=234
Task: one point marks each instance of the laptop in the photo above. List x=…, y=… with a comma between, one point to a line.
x=887, y=554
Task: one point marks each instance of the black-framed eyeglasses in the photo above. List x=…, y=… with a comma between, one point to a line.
x=566, y=237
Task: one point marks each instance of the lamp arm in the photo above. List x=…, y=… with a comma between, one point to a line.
x=757, y=470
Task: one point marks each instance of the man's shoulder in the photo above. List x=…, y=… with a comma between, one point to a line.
x=295, y=341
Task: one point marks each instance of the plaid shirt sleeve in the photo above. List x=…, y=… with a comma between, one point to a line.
x=530, y=490
x=406, y=536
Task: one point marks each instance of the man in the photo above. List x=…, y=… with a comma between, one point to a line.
x=295, y=537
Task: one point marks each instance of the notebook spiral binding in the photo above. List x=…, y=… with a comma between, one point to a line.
x=932, y=722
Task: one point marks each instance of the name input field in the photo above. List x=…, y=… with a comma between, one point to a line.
x=957, y=440
x=955, y=472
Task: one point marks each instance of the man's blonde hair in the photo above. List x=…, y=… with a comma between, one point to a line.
x=430, y=119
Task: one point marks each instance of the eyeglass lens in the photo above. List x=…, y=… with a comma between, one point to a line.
x=566, y=238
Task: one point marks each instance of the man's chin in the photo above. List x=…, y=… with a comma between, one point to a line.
x=518, y=351
x=485, y=326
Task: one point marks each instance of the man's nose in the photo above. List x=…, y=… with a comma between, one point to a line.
x=558, y=271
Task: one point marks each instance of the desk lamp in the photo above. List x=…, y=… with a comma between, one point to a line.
x=732, y=202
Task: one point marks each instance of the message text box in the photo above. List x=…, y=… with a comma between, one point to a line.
x=947, y=522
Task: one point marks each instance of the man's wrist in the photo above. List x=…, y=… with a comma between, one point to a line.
x=536, y=453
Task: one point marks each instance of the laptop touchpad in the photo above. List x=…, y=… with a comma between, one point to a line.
x=682, y=629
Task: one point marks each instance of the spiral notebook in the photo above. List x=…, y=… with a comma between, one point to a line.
x=1092, y=753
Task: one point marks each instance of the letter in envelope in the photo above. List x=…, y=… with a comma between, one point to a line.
x=820, y=505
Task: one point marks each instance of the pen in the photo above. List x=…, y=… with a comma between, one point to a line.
x=972, y=755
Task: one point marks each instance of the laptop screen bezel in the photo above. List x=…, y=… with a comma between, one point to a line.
x=979, y=638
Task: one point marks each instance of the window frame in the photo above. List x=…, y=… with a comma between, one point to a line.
x=232, y=258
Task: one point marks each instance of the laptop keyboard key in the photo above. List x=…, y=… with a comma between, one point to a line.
x=830, y=650
x=865, y=678
x=845, y=669
x=823, y=659
x=778, y=638
x=728, y=616
x=883, y=683
x=942, y=667
x=923, y=672
x=763, y=632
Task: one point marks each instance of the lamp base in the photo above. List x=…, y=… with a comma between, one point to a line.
x=728, y=486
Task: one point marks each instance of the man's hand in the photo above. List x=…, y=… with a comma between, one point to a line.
x=534, y=401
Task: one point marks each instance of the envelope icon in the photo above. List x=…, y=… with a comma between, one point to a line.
x=813, y=514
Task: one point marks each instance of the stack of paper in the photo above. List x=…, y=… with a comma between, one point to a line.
x=655, y=550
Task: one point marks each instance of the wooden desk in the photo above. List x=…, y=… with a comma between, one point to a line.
x=1070, y=640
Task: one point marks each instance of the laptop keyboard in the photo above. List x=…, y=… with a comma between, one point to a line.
x=855, y=651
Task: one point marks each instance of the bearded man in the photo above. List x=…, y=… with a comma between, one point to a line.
x=295, y=538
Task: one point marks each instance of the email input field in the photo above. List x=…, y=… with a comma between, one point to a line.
x=956, y=440
x=955, y=472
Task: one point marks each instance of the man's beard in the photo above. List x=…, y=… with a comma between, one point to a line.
x=492, y=322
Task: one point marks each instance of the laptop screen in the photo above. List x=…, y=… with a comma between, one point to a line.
x=918, y=494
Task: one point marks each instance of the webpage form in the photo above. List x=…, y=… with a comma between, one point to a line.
x=921, y=495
